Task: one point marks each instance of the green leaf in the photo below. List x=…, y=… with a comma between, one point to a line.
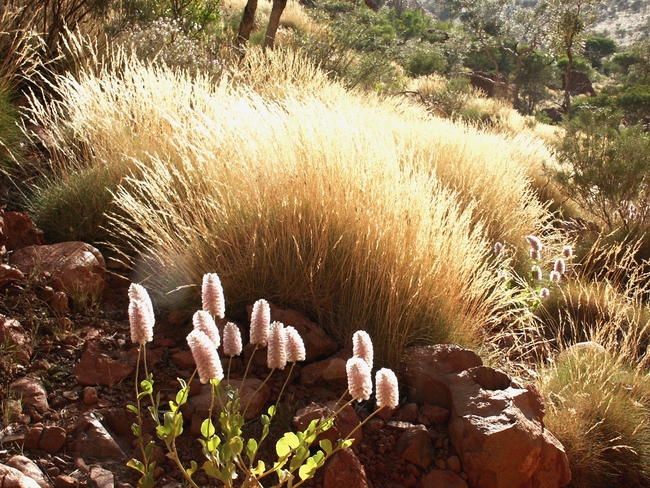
x=207, y=428
x=298, y=458
x=148, y=449
x=135, y=428
x=213, y=444
x=259, y=469
x=137, y=465
x=292, y=440
x=133, y=408
x=326, y=445
x=211, y=470
x=346, y=443
x=272, y=410
x=163, y=431
x=319, y=458
x=193, y=468
x=147, y=386
x=181, y=396
x=236, y=445
x=282, y=448
x=147, y=481
x=265, y=420
x=251, y=449
x=308, y=469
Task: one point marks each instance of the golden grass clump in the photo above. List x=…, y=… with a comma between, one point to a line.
x=363, y=212
x=597, y=407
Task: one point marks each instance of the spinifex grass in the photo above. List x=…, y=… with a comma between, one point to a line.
x=363, y=212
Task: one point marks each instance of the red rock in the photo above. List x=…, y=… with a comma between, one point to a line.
x=433, y=415
x=328, y=372
x=500, y=439
x=29, y=468
x=12, y=478
x=52, y=439
x=32, y=392
x=415, y=446
x=425, y=365
x=490, y=378
x=442, y=479
x=97, y=368
x=9, y=275
x=63, y=481
x=33, y=437
x=12, y=333
x=184, y=360
x=90, y=395
x=343, y=469
x=252, y=394
x=101, y=477
x=93, y=440
x=74, y=267
x=18, y=230
x=453, y=463
x=164, y=343
x=60, y=303
x=407, y=413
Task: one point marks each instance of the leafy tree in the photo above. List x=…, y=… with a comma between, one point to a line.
x=641, y=52
x=572, y=18
x=596, y=48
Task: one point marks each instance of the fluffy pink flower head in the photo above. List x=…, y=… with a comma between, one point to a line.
x=387, y=390
x=359, y=380
x=567, y=251
x=276, y=354
x=212, y=295
x=260, y=321
x=560, y=266
x=536, y=272
x=141, y=316
x=204, y=322
x=544, y=293
x=555, y=276
x=295, y=345
x=534, y=254
x=232, y=344
x=534, y=242
x=362, y=347
x=498, y=249
x=205, y=355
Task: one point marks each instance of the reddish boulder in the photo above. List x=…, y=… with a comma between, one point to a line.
x=415, y=446
x=344, y=469
x=9, y=275
x=93, y=440
x=13, y=334
x=32, y=392
x=17, y=230
x=442, y=478
x=328, y=372
x=98, y=368
x=73, y=267
x=52, y=439
x=12, y=478
x=29, y=468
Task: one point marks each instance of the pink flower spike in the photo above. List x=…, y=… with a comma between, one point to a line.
x=260, y=321
x=359, y=380
x=555, y=276
x=139, y=293
x=544, y=293
x=498, y=249
x=205, y=355
x=534, y=243
x=295, y=345
x=232, y=344
x=140, y=322
x=362, y=347
x=567, y=251
x=536, y=272
x=204, y=322
x=560, y=266
x=212, y=295
x=277, y=350
x=387, y=390
x=535, y=254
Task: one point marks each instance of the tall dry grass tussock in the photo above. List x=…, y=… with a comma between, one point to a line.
x=363, y=212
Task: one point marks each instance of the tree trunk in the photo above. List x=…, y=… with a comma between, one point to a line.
x=247, y=22
x=274, y=22
x=567, y=80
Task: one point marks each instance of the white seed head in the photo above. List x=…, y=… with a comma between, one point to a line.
x=560, y=266
x=212, y=295
x=555, y=276
x=295, y=345
x=260, y=321
x=536, y=272
x=205, y=355
x=232, y=343
x=204, y=322
x=567, y=251
x=362, y=347
x=141, y=322
x=359, y=380
x=387, y=390
x=276, y=354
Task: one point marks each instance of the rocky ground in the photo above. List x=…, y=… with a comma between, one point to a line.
x=68, y=372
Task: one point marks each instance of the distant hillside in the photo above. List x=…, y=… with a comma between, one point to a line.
x=625, y=21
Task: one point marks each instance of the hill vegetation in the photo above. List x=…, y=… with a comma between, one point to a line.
x=353, y=172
